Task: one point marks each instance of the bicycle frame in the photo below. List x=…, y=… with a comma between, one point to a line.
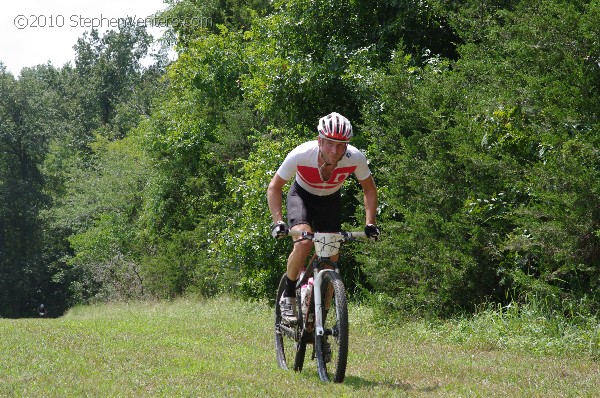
x=327, y=244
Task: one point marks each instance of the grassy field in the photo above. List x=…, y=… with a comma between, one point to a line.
x=223, y=347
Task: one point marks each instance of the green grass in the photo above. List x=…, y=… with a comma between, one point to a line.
x=223, y=347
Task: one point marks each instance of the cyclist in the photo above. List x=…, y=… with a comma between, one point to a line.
x=314, y=199
x=42, y=310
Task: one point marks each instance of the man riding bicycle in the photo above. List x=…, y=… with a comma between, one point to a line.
x=314, y=199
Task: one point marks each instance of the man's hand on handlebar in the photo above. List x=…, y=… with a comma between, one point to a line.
x=279, y=229
x=372, y=231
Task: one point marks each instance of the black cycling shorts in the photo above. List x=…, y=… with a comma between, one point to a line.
x=322, y=213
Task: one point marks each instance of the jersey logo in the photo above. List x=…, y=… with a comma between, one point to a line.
x=339, y=177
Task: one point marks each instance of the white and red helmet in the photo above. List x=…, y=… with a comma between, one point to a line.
x=335, y=127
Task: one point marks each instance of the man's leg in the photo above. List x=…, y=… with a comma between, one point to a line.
x=300, y=252
x=296, y=261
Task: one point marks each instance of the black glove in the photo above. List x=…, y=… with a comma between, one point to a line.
x=372, y=231
x=279, y=229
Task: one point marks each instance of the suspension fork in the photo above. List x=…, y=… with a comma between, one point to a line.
x=318, y=280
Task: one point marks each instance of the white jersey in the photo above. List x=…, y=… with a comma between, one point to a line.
x=304, y=162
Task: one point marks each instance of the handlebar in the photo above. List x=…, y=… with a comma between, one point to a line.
x=347, y=235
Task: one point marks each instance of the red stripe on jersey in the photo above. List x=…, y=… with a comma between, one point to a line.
x=311, y=176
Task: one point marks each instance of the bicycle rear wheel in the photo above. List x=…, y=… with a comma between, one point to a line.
x=331, y=349
x=289, y=347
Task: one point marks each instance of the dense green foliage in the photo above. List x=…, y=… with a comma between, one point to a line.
x=480, y=120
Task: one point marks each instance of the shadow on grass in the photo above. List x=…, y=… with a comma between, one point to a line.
x=360, y=383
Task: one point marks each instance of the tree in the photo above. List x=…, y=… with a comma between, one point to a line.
x=25, y=130
x=108, y=71
x=477, y=197
x=311, y=57
x=93, y=165
x=106, y=200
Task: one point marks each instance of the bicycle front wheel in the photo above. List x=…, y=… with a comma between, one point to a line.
x=331, y=349
x=289, y=347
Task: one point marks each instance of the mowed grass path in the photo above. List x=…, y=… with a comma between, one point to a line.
x=225, y=348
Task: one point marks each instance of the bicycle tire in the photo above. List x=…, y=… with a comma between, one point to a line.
x=331, y=365
x=290, y=349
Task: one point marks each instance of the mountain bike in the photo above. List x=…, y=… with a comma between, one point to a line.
x=322, y=310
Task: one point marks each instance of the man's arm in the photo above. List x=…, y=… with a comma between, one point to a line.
x=274, y=197
x=370, y=199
